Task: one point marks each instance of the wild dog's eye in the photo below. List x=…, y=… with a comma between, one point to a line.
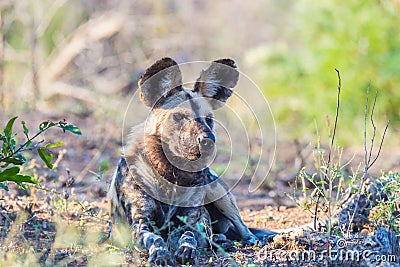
x=209, y=120
x=178, y=116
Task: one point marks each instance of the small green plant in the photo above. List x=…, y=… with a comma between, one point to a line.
x=323, y=199
x=388, y=207
x=331, y=186
x=11, y=154
x=327, y=180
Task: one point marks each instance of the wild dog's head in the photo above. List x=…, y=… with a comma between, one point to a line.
x=182, y=119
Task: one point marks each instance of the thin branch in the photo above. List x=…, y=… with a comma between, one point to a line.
x=381, y=144
x=331, y=146
x=22, y=147
x=374, y=129
x=365, y=157
x=368, y=156
x=316, y=210
x=336, y=116
x=365, y=131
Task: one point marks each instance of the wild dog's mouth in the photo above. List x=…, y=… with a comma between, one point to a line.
x=191, y=145
x=203, y=149
x=189, y=151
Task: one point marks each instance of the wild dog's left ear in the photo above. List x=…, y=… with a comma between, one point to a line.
x=217, y=81
x=161, y=80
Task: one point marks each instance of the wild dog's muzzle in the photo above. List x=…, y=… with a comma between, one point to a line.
x=196, y=140
x=206, y=141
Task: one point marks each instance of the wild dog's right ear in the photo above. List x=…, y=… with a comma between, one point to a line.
x=217, y=81
x=160, y=80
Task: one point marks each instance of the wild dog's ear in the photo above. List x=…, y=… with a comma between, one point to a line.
x=217, y=81
x=162, y=79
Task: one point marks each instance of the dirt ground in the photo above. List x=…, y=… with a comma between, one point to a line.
x=65, y=225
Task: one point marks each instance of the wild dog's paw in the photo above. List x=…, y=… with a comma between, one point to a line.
x=251, y=240
x=219, y=238
x=265, y=240
x=187, y=250
x=222, y=241
x=160, y=256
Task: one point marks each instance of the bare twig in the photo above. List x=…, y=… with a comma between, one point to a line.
x=336, y=117
x=374, y=128
x=368, y=155
x=381, y=144
x=326, y=172
x=93, y=30
x=300, y=165
x=365, y=131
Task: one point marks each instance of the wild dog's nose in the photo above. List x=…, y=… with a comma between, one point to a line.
x=206, y=141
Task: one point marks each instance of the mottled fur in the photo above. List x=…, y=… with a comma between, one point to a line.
x=173, y=148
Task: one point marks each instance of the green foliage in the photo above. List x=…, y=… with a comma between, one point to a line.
x=388, y=208
x=328, y=184
x=357, y=37
x=11, y=154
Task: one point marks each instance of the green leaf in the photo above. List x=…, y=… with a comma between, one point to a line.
x=24, y=179
x=71, y=128
x=45, y=157
x=8, y=129
x=12, y=174
x=22, y=186
x=8, y=173
x=15, y=160
x=26, y=130
x=54, y=145
x=19, y=178
x=28, y=144
x=45, y=125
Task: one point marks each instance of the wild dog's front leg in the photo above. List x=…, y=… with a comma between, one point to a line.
x=223, y=209
x=194, y=237
x=187, y=249
x=130, y=204
x=227, y=206
x=154, y=244
x=143, y=211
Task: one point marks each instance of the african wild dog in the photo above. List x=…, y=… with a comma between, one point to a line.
x=164, y=175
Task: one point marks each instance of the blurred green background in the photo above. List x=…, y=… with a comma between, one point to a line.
x=84, y=57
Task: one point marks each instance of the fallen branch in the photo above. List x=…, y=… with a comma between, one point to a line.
x=94, y=30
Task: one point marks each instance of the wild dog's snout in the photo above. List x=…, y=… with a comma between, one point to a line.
x=206, y=141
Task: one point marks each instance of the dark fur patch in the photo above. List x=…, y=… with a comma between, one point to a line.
x=217, y=80
x=160, y=81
